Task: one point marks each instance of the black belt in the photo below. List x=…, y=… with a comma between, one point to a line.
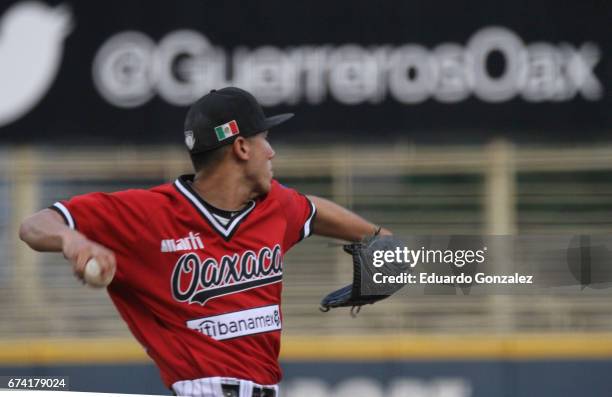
x=234, y=391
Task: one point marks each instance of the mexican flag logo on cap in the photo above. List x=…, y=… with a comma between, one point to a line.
x=227, y=130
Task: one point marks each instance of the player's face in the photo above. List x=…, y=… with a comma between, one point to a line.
x=260, y=162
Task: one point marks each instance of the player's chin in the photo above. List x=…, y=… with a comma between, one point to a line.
x=265, y=186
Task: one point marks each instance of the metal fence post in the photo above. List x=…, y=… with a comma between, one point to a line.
x=500, y=213
x=26, y=281
x=500, y=189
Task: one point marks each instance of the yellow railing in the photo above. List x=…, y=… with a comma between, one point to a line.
x=372, y=347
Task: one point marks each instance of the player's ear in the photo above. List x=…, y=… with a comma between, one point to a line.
x=241, y=148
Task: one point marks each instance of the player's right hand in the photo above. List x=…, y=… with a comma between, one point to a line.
x=78, y=250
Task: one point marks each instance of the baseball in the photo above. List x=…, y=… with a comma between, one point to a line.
x=93, y=275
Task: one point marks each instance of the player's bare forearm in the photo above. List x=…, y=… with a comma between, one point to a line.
x=45, y=231
x=335, y=221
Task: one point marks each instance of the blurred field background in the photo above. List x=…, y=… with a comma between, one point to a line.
x=521, y=146
x=50, y=319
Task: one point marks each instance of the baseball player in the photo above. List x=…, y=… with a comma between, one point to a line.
x=199, y=262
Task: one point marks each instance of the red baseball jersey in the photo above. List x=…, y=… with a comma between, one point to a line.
x=202, y=297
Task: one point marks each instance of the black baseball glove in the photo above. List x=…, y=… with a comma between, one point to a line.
x=363, y=271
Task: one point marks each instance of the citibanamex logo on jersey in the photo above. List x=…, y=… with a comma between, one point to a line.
x=197, y=280
x=239, y=323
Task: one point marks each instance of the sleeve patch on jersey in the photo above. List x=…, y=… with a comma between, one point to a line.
x=63, y=211
x=307, y=229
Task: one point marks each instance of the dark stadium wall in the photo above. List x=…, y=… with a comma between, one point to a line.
x=455, y=378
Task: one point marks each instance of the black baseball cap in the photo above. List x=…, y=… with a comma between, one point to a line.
x=220, y=116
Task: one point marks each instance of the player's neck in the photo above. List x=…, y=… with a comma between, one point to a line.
x=222, y=190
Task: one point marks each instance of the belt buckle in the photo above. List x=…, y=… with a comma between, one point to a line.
x=230, y=390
